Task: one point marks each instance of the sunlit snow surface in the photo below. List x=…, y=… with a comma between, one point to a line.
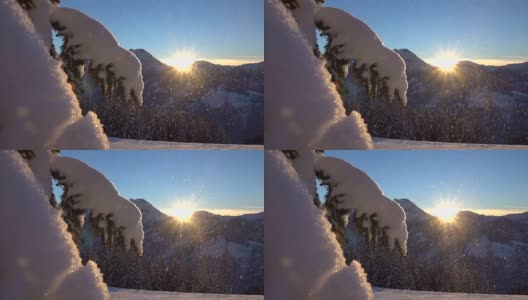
x=122, y=294
x=379, y=144
x=379, y=294
x=390, y=294
x=123, y=144
x=391, y=144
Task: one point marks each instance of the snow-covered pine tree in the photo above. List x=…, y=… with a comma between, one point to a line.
x=313, y=267
x=27, y=177
x=307, y=109
x=40, y=109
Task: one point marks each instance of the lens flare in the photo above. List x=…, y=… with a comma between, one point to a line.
x=182, y=60
x=446, y=61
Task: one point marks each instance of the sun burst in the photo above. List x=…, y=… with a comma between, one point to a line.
x=182, y=211
x=446, y=210
x=446, y=61
x=182, y=60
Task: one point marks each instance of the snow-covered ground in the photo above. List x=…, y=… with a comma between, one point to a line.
x=379, y=144
x=122, y=294
x=379, y=294
x=391, y=144
x=390, y=294
x=121, y=144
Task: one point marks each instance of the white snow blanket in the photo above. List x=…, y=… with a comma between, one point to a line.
x=122, y=144
x=391, y=144
x=117, y=294
x=390, y=294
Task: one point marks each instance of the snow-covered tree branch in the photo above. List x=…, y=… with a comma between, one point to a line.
x=349, y=189
x=313, y=266
x=39, y=108
x=42, y=261
x=87, y=189
x=303, y=106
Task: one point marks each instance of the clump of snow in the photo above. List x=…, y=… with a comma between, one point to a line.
x=99, y=195
x=301, y=101
x=361, y=193
x=40, y=17
x=92, y=132
x=38, y=258
x=362, y=45
x=304, y=15
x=38, y=105
x=303, y=259
x=352, y=127
x=96, y=43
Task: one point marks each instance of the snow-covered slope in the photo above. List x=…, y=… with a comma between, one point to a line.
x=122, y=144
x=393, y=144
x=391, y=294
x=124, y=294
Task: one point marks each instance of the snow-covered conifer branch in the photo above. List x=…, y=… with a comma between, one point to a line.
x=38, y=106
x=41, y=261
x=354, y=41
x=88, y=189
x=305, y=110
x=88, y=40
x=352, y=189
x=303, y=258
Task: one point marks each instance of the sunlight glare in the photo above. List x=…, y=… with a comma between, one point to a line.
x=446, y=60
x=446, y=210
x=182, y=211
x=182, y=60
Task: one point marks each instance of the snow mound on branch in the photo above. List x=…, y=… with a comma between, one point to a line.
x=97, y=44
x=352, y=127
x=92, y=131
x=362, y=44
x=313, y=266
x=361, y=193
x=38, y=104
x=301, y=101
x=304, y=15
x=41, y=260
x=98, y=194
x=39, y=16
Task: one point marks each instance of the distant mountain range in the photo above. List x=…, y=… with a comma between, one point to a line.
x=474, y=253
x=210, y=104
x=504, y=85
x=232, y=96
x=473, y=104
x=209, y=254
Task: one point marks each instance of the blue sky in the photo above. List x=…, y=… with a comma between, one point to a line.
x=484, y=31
x=218, y=31
x=224, y=182
x=488, y=182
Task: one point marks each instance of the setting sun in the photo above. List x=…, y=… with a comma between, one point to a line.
x=182, y=60
x=182, y=211
x=446, y=210
x=446, y=60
